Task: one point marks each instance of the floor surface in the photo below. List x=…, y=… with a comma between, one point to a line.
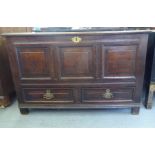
x=10, y=117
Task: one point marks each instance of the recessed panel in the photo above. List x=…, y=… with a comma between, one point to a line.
x=33, y=62
x=119, y=61
x=76, y=62
x=103, y=95
x=51, y=95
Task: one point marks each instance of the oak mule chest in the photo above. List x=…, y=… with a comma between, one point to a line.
x=84, y=70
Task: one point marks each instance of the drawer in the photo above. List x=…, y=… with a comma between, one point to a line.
x=96, y=95
x=48, y=95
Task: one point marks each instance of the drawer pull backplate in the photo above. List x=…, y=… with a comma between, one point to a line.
x=48, y=95
x=108, y=94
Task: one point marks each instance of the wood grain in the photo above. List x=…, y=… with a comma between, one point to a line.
x=100, y=62
x=6, y=83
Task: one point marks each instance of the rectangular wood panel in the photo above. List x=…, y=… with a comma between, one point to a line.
x=76, y=62
x=119, y=61
x=108, y=94
x=33, y=62
x=59, y=95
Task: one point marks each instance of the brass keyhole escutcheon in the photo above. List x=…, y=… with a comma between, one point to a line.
x=76, y=39
x=108, y=94
x=48, y=95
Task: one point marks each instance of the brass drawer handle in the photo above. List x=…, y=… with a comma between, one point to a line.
x=76, y=39
x=48, y=95
x=108, y=94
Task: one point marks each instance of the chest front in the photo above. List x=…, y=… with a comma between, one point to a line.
x=79, y=71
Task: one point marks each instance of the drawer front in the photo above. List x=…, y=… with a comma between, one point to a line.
x=48, y=95
x=105, y=95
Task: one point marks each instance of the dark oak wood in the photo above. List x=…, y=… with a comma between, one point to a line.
x=135, y=110
x=58, y=95
x=24, y=111
x=6, y=83
x=78, y=69
x=7, y=91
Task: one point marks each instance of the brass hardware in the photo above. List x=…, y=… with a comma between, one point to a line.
x=48, y=95
x=108, y=94
x=76, y=39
